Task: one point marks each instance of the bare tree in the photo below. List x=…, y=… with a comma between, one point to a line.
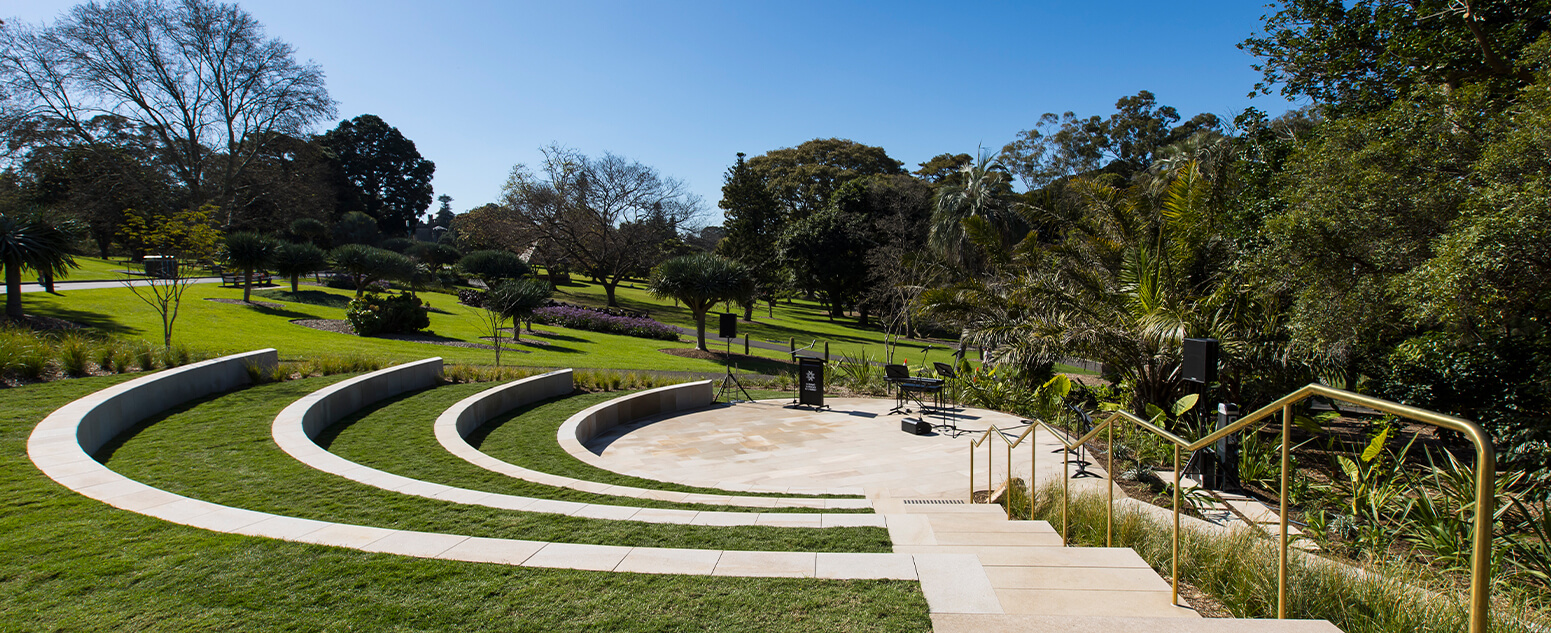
x=608, y=216
x=201, y=76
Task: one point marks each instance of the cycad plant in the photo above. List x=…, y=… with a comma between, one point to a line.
x=700, y=281
x=249, y=252
x=32, y=242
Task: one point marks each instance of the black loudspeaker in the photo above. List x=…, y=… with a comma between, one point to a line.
x=1200, y=360
x=915, y=427
x=729, y=325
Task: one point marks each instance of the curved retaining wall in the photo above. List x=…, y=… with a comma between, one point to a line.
x=599, y=418
x=296, y=426
x=57, y=446
x=456, y=423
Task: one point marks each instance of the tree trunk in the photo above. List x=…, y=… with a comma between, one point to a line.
x=608, y=289
x=700, y=331
x=46, y=277
x=748, y=312
x=295, y=280
x=247, y=284
x=13, y=290
x=861, y=318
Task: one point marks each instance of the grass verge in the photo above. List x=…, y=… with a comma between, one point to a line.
x=1239, y=569
x=526, y=437
x=219, y=450
x=397, y=436
x=68, y=563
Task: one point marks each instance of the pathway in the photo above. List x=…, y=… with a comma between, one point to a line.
x=63, y=286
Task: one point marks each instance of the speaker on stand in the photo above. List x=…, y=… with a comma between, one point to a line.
x=728, y=332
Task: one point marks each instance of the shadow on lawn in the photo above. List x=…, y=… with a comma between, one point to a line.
x=96, y=320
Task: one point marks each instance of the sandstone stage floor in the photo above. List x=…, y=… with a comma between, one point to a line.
x=855, y=447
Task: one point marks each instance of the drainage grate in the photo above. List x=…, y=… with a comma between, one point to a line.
x=932, y=502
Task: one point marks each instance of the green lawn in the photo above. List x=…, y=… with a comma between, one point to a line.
x=802, y=320
x=219, y=450
x=226, y=328
x=73, y=564
x=526, y=437
x=110, y=269
x=397, y=436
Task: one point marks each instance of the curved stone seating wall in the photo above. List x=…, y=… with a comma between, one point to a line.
x=454, y=426
x=57, y=446
x=122, y=406
x=296, y=426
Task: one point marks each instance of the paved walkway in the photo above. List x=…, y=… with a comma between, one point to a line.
x=65, y=286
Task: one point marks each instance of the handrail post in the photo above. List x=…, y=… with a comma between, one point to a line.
x=1281, y=560
x=1174, y=593
x=1008, y=495
x=1109, y=510
x=972, y=471
x=1066, y=495
x=1481, y=558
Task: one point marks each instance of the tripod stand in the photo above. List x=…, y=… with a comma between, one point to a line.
x=731, y=379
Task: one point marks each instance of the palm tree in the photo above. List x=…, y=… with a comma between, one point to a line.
x=294, y=260
x=249, y=252
x=32, y=242
x=982, y=191
x=700, y=281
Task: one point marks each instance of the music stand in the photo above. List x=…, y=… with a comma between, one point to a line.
x=1082, y=457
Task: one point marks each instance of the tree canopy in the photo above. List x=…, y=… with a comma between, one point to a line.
x=803, y=178
x=384, y=175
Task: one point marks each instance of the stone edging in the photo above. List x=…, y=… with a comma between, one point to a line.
x=304, y=419
x=59, y=446
x=594, y=420
x=457, y=422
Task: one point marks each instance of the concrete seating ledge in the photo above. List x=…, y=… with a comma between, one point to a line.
x=456, y=423
x=59, y=446
x=600, y=418
x=296, y=426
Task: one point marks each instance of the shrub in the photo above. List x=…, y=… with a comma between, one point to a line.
x=593, y=321
x=145, y=355
x=493, y=266
x=376, y=313
x=472, y=298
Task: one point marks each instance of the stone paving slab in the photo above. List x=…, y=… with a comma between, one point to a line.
x=970, y=623
x=670, y=561
x=1133, y=604
x=1083, y=578
x=767, y=564
x=575, y=556
x=840, y=565
x=956, y=583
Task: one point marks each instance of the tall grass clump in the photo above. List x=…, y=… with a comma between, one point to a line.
x=331, y=365
x=75, y=354
x=1238, y=567
x=456, y=374
x=23, y=354
x=145, y=354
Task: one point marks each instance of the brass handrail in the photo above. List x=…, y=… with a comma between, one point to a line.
x=1486, y=473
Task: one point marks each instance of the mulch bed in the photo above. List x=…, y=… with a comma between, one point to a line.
x=41, y=323
x=341, y=326
x=240, y=302
x=690, y=352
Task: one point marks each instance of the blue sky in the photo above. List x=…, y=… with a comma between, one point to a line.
x=684, y=86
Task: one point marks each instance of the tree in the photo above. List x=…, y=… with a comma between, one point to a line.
x=701, y=281
x=356, y=228
x=1359, y=57
x=491, y=227
x=294, y=260
x=608, y=215
x=1066, y=145
x=979, y=198
x=943, y=168
x=493, y=267
x=384, y=175
x=249, y=252
x=186, y=235
x=827, y=253
x=96, y=182
x=291, y=179
x=518, y=298
x=201, y=77
x=444, y=214
x=31, y=242
x=437, y=256
x=753, y=225
x=803, y=178
x=366, y=265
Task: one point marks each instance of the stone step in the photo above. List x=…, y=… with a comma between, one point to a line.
x=975, y=523
x=1079, y=602
x=1009, y=623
